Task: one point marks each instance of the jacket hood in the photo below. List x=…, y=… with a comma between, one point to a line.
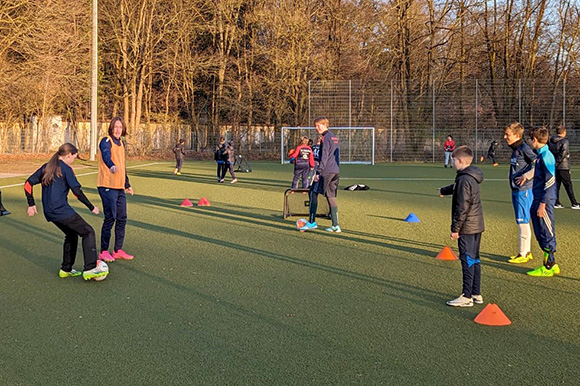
x=474, y=172
x=556, y=138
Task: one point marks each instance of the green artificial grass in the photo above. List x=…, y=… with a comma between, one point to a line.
x=232, y=294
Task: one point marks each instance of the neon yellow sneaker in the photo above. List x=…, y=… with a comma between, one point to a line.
x=519, y=259
x=72, y=273
x=545, y=272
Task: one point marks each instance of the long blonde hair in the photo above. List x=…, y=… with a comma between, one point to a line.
x=52, y=168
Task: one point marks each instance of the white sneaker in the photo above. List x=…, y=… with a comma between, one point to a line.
x=558, y=206
x=477, y=299
x=577, y=206
x=461, y=301
x=234, y=181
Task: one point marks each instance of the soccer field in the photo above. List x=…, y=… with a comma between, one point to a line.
x=232, y=294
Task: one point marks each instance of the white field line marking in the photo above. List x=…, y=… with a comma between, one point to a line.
x=87, y=174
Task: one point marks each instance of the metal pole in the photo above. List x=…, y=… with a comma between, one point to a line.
x=564, y=103
x=476, y=113
x=94, y=68
x=349, y=119
x=309, y=122
x=391, y=141
x=520, y=101
x=433, y=118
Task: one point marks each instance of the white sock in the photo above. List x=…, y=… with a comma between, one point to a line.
x=525, y=238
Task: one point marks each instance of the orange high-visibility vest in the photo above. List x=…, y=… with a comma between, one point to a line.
x=107, y=179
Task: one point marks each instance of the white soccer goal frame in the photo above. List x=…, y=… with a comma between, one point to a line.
x=344, y=158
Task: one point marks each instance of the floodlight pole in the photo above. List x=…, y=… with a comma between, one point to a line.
x=94, y=68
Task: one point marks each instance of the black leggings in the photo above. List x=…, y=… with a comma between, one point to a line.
x=73, y=227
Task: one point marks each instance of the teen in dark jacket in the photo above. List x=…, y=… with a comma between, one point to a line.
x=559, y=147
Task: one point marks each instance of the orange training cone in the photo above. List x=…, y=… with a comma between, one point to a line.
x=491, y=315
x=446, y=254
x=203, y=202
x=186, y=202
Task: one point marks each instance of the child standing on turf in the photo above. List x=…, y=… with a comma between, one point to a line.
x=57, y=178
x=179, y=152
x=3, y=211
x=466, y=224
x=304, y=162
x=448, y=146
x=218, y=156
x=520, y=178
x=230, y=161
x=542, y=211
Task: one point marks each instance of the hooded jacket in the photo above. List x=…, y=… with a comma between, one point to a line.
x=466, y=210
x=559, y=146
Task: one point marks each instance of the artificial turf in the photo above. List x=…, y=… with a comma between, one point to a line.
x=232, y=294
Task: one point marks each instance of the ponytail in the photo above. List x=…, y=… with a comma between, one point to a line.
x=52, y=168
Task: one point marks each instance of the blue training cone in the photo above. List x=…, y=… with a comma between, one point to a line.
x=412, y=217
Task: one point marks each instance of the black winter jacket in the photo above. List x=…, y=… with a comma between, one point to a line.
x=560, y=148
x=466, y=210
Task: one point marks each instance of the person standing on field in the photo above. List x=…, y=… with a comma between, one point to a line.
x=112, y=184
x=449, y=146
x=326, y=178
x=560, y=148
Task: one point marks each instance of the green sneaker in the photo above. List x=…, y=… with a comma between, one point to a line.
x=519, y=259
x=545, y=272
x=72, y=273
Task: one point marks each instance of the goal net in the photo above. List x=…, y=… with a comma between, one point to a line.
x=356, y=144
x=297, y=203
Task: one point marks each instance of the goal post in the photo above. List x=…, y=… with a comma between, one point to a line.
x=356, y=144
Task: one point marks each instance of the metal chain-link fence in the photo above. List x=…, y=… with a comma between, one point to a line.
x=411, y=120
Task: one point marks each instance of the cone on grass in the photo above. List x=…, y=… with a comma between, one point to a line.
x=203, y=202
x=412, y=217
x=446, y=254
x=186, y=202
x=491, y=315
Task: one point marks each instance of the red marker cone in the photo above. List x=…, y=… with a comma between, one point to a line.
x=446, y=254
x=491, y=315
x=186, y=202
x=203, y=202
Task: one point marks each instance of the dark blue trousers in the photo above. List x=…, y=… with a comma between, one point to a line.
x=301, y=171
x=115, y=211
x=470, y=265
x=544, y=229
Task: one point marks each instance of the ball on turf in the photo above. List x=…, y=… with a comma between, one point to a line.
x=300, y=223
x=104, y=267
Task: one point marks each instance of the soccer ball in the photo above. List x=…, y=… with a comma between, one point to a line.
x=103, y=266
x=300, y=223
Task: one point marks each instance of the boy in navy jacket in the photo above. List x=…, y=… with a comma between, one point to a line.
x=542, y=211
x=466, y=224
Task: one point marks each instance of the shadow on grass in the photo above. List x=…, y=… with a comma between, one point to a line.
x=428, y=296
x=244, y=181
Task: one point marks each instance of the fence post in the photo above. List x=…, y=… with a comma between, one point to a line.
x=433, y=116
x=309, y=103
x=476, y=113
x=564, y=103
x=519, y=100
x=391, y=141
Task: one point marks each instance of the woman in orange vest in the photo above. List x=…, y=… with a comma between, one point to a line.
x=112, y=185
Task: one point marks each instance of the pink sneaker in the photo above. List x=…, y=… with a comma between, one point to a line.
x=106, y=257
x=121, y=254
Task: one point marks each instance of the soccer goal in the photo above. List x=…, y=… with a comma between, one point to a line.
x=297, y=203
x=356, y=144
